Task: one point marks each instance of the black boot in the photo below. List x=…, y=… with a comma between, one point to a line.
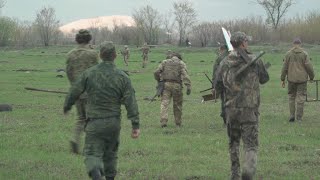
x=74, y=147
x=291, y=119
x=109, y=178
x=95, y=174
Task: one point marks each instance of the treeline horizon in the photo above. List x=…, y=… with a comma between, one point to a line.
x=17, y=33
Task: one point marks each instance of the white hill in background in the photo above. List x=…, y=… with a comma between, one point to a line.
x=98, y=22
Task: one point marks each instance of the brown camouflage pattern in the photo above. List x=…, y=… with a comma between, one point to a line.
x=145, y=55
x=297, y=96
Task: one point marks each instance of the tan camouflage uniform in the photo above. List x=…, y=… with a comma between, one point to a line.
x=242, y=101
x=173, y=72
x=126, y=54
x=145, y=51
x=78, y=60
x=297, y=68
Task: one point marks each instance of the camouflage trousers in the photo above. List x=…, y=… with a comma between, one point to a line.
x=101, y=146
x=174, y=91
x=80, y=123
x=145, y=59
x=242, y=124
x=126, y=59
x=297, y=95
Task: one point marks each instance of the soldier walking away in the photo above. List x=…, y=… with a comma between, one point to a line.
x=145, y=53
x=223, y=53
x=242, y=101
x=107, y=88
x=78, y=60
x=173, y=72
x=126, y=54
x=297, y=68
x=169, y=54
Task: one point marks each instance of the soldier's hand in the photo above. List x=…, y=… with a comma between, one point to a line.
x=188, y=91
x=135, y=133
x=283, y=84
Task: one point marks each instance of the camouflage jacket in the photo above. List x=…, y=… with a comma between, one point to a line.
x=78, y=60
x=107, y=88
x=173, y=69
x=145, y=50
x=217, y=64
x=125, y=52
x=297, y=66
x=242, y=91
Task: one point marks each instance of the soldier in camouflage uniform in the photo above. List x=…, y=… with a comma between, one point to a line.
x=173, y=72
x=126, y=54
x=78, y=60
x=297, y=68
x=107, y=88
x=242, y=101
x=223, y=53
x=169, y=54
x=145, y=51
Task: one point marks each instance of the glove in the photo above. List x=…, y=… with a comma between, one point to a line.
x=188, y=90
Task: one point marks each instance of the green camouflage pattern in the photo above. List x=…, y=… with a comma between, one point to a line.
x=107, y=88
x=101, y=146
x=78, y=60
x=242, y=101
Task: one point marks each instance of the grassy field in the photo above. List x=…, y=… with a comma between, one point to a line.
x=34, y=137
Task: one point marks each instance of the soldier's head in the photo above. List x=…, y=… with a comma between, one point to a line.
x=297, y=42
x=125, y=46
x=239, y=40
x=175, y=54
x=83, y=36
x=107, y=51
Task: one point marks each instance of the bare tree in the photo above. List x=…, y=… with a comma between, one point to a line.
x=94, y=28
x=168, y=24
x=275, y=10
x=2, y=4
x=46, y=24
x=185, y=16
x=148, y=20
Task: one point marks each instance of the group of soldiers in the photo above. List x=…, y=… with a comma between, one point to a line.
x=145, y=55
x=99, y=89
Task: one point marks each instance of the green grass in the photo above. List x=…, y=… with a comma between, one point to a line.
x=34, y=136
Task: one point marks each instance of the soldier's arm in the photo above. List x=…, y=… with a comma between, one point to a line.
x=184, y=75
x=284, y=71
x=309, y=68
x=215, y=67
x=69, y=71
x=159, y=70
x=130, y=102
x=263, y=73
x=75, y=91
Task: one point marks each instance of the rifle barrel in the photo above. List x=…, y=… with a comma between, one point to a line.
x=44, y=90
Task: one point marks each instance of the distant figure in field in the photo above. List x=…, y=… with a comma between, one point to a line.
x=223, y=53
x=5, y=107
x=145, y=53
x=173, y=72
x=242, y=101
x=296, y=68
x=78, y=60
x=169, y=54
x=126, y=54
x=107, y=88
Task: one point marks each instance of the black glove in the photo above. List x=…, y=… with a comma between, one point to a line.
x=188, y=91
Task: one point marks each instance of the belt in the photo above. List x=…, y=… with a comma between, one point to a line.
x=172, y=81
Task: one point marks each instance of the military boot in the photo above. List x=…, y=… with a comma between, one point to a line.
x=95, y=174
x=291, y=119
x=74, y=147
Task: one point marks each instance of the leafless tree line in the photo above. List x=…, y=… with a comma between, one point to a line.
x=172, y=27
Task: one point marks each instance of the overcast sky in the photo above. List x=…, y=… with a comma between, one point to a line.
x=208, y=10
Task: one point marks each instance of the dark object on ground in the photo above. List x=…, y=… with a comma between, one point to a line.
x=42, y=52
x=5, y=107
x=74, y=147
x=202, y=61
x=44, y=90
x=153, y=61
x=61, y=70
x=291, y=119
x=24, y=70
x=59, y=76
